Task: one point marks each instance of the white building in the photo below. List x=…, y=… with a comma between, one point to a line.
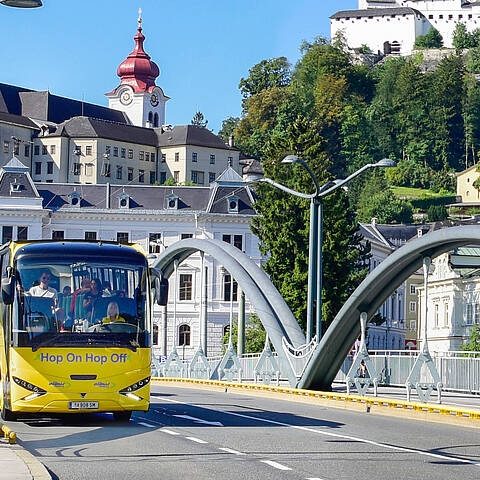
x=71, y=141
x=391, y=26
x=154, y=217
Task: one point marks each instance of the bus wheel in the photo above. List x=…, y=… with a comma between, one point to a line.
x=122, y=416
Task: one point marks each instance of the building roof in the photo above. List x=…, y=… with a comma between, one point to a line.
x=190, y=135
x=18, y=120
x=42, y=105
x=16, y=173
x=87, y=127
x=375, y=12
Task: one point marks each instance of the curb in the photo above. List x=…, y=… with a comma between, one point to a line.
x=376, y=405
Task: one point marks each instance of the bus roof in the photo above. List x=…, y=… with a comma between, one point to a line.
x=81, y=249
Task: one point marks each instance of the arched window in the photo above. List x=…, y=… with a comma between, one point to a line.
x=155, y=120
x=184, y=335
x=150, y=118
x=155, y=334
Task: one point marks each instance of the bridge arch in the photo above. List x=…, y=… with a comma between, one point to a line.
x=269, y=305
x=372, y=293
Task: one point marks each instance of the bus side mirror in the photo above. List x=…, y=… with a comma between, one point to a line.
x=159, y=286
x=8, y=287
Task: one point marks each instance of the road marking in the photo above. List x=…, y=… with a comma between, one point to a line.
x=337, y=435
x=195, y=439
x=314, y=478
x=146, y=424
x=276, y=465
x=170, y=432
x=199, y=420
x=229, y=450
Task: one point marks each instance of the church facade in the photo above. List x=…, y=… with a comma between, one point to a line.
x=391, y=26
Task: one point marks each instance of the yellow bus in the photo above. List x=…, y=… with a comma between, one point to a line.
x=75, y=328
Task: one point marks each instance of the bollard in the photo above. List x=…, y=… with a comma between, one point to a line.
x=9, y=434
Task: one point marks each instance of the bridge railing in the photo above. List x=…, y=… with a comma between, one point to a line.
x=459, y=371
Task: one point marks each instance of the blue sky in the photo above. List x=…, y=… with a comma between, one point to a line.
x=203, y=48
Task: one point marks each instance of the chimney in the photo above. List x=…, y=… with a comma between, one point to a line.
x=373, y=221
x=231, y=141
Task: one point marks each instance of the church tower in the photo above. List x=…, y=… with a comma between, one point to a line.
x=137, y=95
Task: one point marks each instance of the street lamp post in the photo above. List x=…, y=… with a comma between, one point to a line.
x=315, y=243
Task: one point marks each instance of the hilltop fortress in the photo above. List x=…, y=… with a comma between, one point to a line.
x=391, y=26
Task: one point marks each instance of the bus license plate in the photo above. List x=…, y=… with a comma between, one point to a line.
x=82, y=405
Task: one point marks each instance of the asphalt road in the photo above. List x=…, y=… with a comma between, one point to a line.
x=203, y=434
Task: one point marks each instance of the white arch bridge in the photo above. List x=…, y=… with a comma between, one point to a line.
x=327, y=356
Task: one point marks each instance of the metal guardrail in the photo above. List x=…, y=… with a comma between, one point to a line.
x=459, y=371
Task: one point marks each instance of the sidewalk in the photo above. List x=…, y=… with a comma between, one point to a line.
x=18, y=464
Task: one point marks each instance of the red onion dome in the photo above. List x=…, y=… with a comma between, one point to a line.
x=137, y=70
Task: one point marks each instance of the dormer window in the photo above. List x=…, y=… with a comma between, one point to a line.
x=232, y=204
x=124, y=200
x=172, y=202
x=75, y=199
x=15, y=187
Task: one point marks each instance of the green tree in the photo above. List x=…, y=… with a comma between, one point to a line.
x=436, y=213
x=199, y=120
x=228, y=126
x=473, y=344
x=433, y=39
x=385, y=207
x=463, y=39
x=255, y=335
x=169, y=182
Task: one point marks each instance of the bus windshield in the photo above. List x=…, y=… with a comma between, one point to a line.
x=88, y=302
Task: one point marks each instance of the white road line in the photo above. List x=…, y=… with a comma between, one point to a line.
x=314, y=478
x=170, y=432
x=229, y=450
x=146, y=424
x=276, y=465
x=195, y=439
x=337, y=435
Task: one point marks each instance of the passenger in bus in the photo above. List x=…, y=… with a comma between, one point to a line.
x=66, y=290
x=43, y=289
x=113, y=315
x=85, y=286
x=91, y=297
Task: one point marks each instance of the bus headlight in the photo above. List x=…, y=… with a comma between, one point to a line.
x=128, y=391
x=36, y=391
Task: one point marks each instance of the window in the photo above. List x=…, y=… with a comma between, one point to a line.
x=212, y=159
x=413, y=307
x=194, y=157
x=89, y=169
x=88, y=150
x=22, y=233
x=152, y=157
x=36, y=150
x=7, y=233
x=123, y=152
x=38, y=168
x=227, y=288
x=44, y=150
x=106, y=169
x=436, y=310
x=197, y=177
x=237, y=240
x=227, y=238
x=163, y=177
x=183, y=236
x=152, y=178
x=108, y=149
x=413, y=325
x=211, y=177
x=184, y=335
x=185, y=286
x=230, y=161
x=176, y=176
x=177, y=156
x=16, y=148
x=119, y=172
x=445, y=313
x=122, y=237
x=49, y=168
x=477, y=313
x=27, y=150
x=413, y=290
x=141, y=176
x=130, y=174
x=147, y=156
x=77, y=169
x=130, y=153
x=164, y=157
x=115, y=151
x=141, y=155
x=469, y=314
x=58, y=235
x=154, y=242
x=90, y=235
x=6, y=146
